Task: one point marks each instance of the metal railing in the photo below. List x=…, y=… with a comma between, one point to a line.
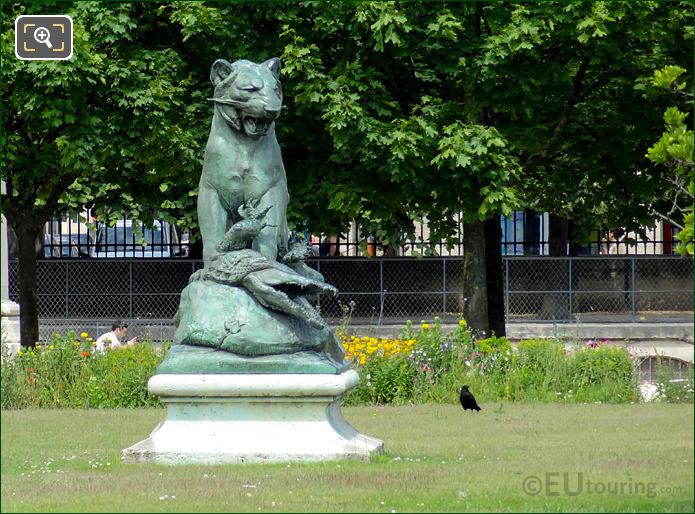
x=382, y=290
x=523, y=233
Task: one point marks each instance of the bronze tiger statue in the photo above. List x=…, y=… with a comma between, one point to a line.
x=242, y=162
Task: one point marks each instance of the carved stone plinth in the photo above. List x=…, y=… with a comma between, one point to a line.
x=216, y=419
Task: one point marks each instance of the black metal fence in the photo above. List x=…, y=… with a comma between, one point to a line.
x=523, y=233
x=384, y=290
x=83, y=236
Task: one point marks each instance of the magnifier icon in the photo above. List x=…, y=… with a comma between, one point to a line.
x=42, y=35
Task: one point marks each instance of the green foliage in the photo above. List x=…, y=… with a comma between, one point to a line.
x=604, y=373
x=542, y=367
x=66, y=372
x=383, y=380
x=493, y=345
x=472, y=155
x=675, y=147
x=686, y=237
x=666, y=77
x=673, y=391
x=674, y=153
x=595, y=172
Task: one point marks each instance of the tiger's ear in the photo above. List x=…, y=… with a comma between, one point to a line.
x=274, y=65
x=221, y=69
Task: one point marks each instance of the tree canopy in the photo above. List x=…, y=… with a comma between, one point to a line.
x=115, y=126
x=393, y=110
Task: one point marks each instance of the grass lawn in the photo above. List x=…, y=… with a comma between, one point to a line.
x=509, y=457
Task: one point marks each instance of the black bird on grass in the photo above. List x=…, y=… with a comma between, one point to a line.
x=468, y=400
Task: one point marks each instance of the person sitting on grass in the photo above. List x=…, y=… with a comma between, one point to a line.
x=113, y=338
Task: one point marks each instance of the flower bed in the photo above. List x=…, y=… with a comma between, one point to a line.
x=426, y=365
x=423, y=365
x=67, y=372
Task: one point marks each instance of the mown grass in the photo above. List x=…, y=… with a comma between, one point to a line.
x=438, y=458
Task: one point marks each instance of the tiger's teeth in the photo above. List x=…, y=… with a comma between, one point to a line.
x=254, y=126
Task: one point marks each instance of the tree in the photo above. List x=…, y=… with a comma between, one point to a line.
x=674, y=153
x=596, y=173
x=109, y=128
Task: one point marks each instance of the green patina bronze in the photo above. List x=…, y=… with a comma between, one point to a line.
x=249, y=309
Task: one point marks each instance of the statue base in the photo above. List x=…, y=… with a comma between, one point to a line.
x=221, y=419
x=199, y=360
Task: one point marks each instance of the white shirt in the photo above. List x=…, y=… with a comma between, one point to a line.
x=109, y=337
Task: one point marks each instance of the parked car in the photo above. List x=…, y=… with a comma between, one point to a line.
x=73, y=245
x=126, y=241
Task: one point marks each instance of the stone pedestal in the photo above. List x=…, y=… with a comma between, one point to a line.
x=217, y=419
x=10, y=328
x=10, y=310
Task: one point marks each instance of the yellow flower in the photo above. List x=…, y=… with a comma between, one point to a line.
x=50, y=347
x=84, y=335
x=425, y=326
x=462, y=323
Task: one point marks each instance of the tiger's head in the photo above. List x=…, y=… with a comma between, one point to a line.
x=248, y=95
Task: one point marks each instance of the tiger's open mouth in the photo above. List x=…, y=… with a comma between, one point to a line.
x=255, y=126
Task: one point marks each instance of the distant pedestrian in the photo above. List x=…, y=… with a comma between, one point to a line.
x=119, y=330
x=468, y=400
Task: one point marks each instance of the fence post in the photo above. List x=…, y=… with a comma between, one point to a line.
x=67, y=285
x=130, y=289
x=569, y=286
x=381, y=290
x=506, y=289
x=444, y=313
x=318, y=298
x=632, y=287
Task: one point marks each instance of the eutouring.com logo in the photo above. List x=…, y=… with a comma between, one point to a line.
x=557, y=483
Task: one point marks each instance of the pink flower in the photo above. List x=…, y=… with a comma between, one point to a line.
x=591, y=343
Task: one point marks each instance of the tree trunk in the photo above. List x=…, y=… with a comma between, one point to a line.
x=195, y=250
x=556, y=305
x=494, y=273
x=573, y=247
x=558, y=232
x=531, y=233
x=28, y=308
x=475, y=307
